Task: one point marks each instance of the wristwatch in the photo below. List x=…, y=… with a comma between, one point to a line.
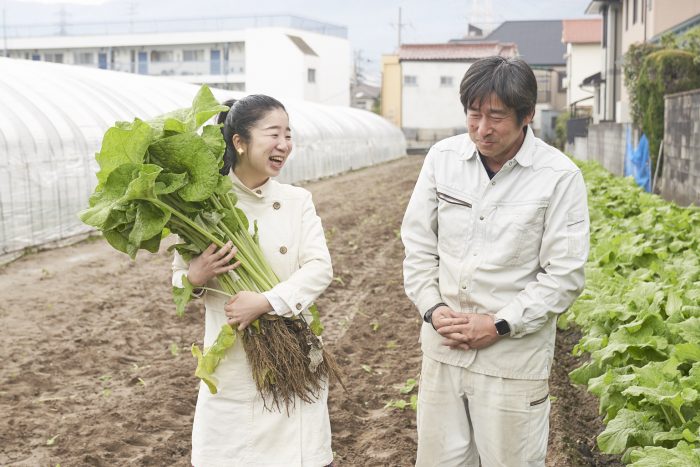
x=428, y=316
x=502, y=327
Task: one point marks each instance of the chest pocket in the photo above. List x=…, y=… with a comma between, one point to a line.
x=516, y=233
x=455, y=221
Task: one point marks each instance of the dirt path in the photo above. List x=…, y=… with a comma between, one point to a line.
x=97, y=371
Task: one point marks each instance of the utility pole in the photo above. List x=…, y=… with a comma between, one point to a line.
x=131, y=13
x=4, y=32
x=62, y=20
x=398, y=28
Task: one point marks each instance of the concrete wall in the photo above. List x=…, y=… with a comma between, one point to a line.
x=680, y=181
x=606, y=144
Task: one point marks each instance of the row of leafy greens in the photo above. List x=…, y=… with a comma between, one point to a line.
x=162, y=176
x=640, y=316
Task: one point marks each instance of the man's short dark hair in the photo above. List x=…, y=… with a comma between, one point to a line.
x=511, y=79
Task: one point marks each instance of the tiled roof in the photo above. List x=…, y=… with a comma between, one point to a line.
x=582, y=31
x=538, y=41
x=451, y=51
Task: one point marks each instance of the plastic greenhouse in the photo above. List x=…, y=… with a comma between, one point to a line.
x=52, y=118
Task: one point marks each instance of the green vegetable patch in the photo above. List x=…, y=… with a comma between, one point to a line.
x=640, y=316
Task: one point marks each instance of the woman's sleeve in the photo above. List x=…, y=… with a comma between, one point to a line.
x=180, y=268
x=315, y=270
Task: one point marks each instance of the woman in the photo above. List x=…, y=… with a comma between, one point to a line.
x=232, y=427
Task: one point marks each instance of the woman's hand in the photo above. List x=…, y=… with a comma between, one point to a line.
x=245, y=307
x=211, y=263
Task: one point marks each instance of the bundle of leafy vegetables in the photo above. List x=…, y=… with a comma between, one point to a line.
x=162, y=176
x=640, y=316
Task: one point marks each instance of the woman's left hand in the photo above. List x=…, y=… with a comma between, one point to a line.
x=245, y=307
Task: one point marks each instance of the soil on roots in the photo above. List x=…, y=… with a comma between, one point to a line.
x=97, y=369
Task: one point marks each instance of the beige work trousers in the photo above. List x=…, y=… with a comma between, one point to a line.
x=470, y=419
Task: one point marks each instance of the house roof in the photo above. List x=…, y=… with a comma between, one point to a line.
x=456, y=51
x=538, y=41
x=582, y=31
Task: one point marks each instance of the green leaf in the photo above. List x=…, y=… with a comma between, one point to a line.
x=168, y=182
x=123, y=144
x=315, y=326
x=187, y=153
x=182, y=296
x=211, y=134
x=111, y=197
x=628, y=429
x=688, y=352
x=209, y=360
x=683, y=455
x=149, y=223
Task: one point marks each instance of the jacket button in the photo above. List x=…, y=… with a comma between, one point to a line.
x=283, y=250
x=298, y=306
x=276, y=205
x=258, y=192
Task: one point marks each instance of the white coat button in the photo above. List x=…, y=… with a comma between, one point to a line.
x=298, y=305
x=481, y=218
x=283, y=250
x=276, y=205
x=493, y=183
x=258, y=192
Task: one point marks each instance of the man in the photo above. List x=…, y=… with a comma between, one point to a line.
x=496, y=238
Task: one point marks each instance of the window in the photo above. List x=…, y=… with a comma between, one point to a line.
x=84, y=58
x=311, y=75
x=55, y=58
x=446, y=81
x=161, y=56
x=193, y=55
x=561, y=80
x=410, y=80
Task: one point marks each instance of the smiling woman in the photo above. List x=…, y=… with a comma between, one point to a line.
x=56, y=125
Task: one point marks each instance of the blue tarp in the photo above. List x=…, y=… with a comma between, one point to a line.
x=637, y=163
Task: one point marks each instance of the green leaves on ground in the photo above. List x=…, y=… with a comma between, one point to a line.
x=640, y=318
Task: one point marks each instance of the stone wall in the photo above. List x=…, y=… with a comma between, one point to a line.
x=606, y=144
x=680, y=181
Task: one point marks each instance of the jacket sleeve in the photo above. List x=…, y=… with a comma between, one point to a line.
x=180, y=268
x=563, y=255
x=419, y=236
x=315, y=270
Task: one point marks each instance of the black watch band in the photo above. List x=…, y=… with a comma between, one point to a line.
x=428, y=315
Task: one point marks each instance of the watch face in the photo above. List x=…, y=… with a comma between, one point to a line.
x=502, y=327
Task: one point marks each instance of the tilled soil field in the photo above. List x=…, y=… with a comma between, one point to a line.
x=96, y=368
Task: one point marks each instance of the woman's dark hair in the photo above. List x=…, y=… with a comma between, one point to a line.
x=239, y=119
x=511, y=79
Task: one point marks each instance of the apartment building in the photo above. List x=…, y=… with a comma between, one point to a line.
x=312, y=64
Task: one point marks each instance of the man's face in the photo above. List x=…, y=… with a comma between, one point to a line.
x=494, y=128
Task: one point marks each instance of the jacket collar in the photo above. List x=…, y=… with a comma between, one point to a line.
x=259, y=192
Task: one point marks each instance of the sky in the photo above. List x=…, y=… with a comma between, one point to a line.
x=372, y=24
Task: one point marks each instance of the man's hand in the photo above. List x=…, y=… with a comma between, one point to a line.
x=466, y=331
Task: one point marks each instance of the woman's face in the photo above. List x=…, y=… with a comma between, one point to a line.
x=269, y=146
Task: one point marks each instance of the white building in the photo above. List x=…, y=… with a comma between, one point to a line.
x=582, y=38
x=424, y=90
x=285, y=62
